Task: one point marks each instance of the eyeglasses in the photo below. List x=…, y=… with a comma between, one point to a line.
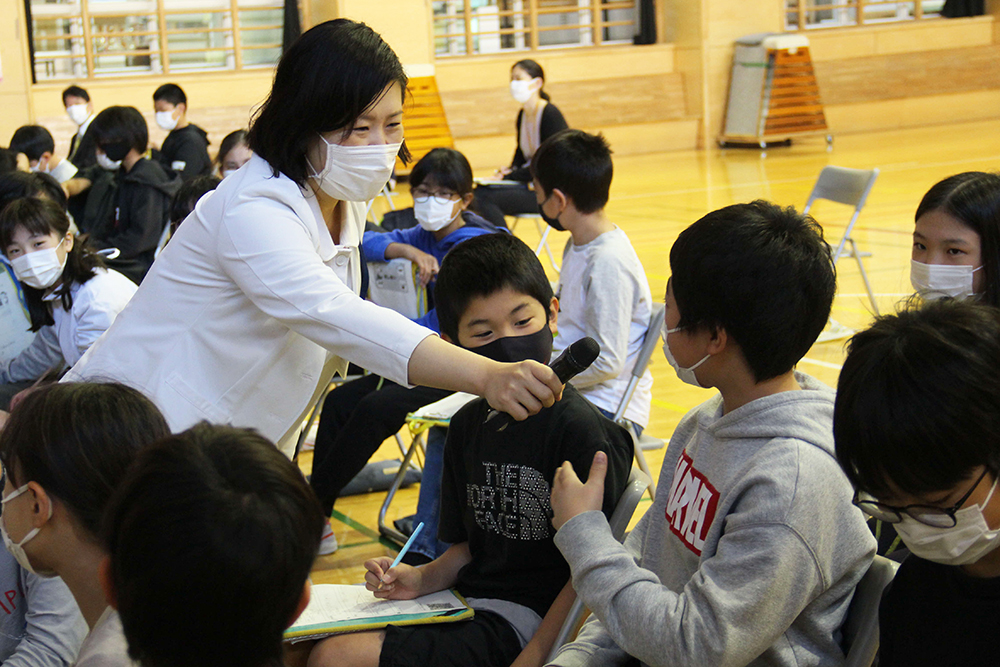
x=421, y=196
x=929, y=515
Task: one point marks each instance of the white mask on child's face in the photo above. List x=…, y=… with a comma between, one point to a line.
x=39, y=269
x=432, y=214
x=166, y=120
x=936, y=281
x=685, y=374
x=16, y=549
x=78, y=113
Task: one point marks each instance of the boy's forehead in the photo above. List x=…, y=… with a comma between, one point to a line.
x=498, y=305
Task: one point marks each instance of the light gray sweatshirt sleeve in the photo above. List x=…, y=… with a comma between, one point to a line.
x=42, y=354
x=54, y=630
x=736, y=606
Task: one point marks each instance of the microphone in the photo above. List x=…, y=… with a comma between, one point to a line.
x=574, y=360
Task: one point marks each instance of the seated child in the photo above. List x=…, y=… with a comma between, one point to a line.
x=494, y=298
x=358, y=416
x=220, y=513
x=602, y=290
x=187, y=197
x=39, y=147
x=956, y=239
x=185, y=150
x=751, y=551
x=917, y=425
x=65, y=450
x=72, y=298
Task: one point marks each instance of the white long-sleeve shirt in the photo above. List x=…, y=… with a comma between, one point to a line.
x=603, y=293
x=249, y=310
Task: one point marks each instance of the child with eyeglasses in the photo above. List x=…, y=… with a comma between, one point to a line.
x=917, y=430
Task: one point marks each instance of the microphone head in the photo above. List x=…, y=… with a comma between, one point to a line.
x=583, y=352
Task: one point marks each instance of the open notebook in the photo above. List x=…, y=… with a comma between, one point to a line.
x=334, y=609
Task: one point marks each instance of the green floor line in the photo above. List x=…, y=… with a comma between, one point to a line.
x=364, y=530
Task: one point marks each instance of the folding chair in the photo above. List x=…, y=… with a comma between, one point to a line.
x=641, y=364
x=861, y=625
x=387, y=193
x=849, y=187
x=637, y=483
x=543, y=243
x=438, y=413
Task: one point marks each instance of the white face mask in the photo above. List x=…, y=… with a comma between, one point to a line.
x=166, y=120
x=935, y=281
x=432, y=214
x=521, y=90
x=685, y=374
x=107, y=163
x=39, y=269
x=228, y=172
x=16, y=549
x=78, y=113
x=356, y=173
x=966, y=542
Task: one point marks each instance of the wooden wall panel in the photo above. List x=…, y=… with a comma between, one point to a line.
x=908, y=75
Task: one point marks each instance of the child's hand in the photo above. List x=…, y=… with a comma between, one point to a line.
x=501, y=172
x=399, y=583
x=427, y=265
x=570, y=496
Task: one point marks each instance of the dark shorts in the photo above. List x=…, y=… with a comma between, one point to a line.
x=484, y=641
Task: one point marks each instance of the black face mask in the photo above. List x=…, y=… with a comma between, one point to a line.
x=552, y=222
x=116, y=150
x=537, y=346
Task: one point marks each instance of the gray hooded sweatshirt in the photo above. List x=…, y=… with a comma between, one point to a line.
x=749, y=555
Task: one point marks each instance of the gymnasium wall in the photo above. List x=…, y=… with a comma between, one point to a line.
x=659, y=97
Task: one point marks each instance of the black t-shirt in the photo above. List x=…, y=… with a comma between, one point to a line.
x=934, y=615
x=495, y=493
x=185, y=152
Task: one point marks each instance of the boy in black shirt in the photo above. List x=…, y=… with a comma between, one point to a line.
x=185, y=150
x=917, y=429
x=493, y=297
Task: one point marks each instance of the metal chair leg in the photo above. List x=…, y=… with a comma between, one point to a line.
x=864, y=277
x=388, y=531
x=544, y=243
x=640, y=458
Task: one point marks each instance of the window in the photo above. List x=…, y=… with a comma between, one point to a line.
x=806, y=14
x=463, y=27
x=80, y=39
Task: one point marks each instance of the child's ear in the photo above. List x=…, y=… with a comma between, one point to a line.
x=467, y=200
x=554, y=314
x=42, y=510
x=446, y=338
x=70, y=240
x=104, y=576
x=718, y=340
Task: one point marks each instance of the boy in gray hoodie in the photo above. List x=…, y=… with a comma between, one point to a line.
x=752, y=549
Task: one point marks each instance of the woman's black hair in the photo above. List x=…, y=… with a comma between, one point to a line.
x=20, y=184
x=42, y=216
x=918, y=399
x=973, y=198
x=326, y=79
x=447, y=167
x=121, y=125
x=535, y=71
x=77, y=440
x=232, y=140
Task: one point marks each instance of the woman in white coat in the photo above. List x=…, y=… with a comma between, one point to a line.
x=253, y=306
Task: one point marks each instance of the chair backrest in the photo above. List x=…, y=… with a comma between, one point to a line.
x=649, y=342
x=394, y=284
x=861, y=625
x=629, y=500
x=844, y=186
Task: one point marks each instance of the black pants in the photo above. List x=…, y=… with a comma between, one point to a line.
x=356, y=418
x=493, y=203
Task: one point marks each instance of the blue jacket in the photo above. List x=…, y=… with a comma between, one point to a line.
x=374, y=245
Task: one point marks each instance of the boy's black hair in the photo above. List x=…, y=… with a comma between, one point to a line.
x=535, y=71
x=219, y=511
x=973, y=198
x=918, y=401
x=75, y=91
x=18, y=184
x=170, y=93
x=77, y=440
x=325, y=80
x=188, y=195
x=121, y=125
x=579, y=165
x=761, y=272
x=449, y=169
x=44, y=216
x=482, y=266
x=8, y=161
x=32, y=140
x=231, y=141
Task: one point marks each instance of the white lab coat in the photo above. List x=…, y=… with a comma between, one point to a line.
x=250, y=310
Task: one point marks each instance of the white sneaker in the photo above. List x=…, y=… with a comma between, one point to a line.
x=328, y=543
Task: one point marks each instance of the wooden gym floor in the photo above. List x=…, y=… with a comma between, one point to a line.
x=656, y=196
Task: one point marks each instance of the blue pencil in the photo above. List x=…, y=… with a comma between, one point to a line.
x=406, y=547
